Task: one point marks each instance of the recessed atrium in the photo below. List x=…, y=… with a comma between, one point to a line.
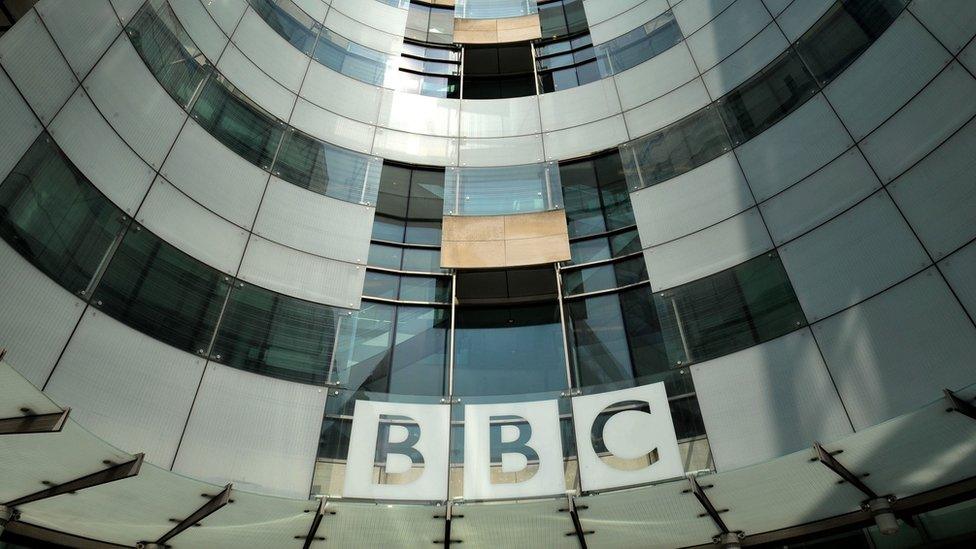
x=487, y=273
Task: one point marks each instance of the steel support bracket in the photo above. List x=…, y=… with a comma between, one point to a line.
x=957, y=404
x=113, y=473
x=831, y=463
x=34, y=423
x=699, y=492
x=578, y=530
x=213, y=505
x=314, y=528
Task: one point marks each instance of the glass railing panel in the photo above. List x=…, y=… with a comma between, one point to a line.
x=327, y=169
x=289, y=21
x=637, y=46
x=493, y=9
x=502, y=190
x=353, y=60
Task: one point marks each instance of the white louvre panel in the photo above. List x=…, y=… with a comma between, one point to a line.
x=953, y=22
x=585, y=139
x=808, y=138
x=924, y=123
x=91, y=145
x=213, y=175
x=708, y=251
x=255, y=84
x=254, y=521
x=414, y=113
x=960, y=271
x=227, y=13
x=502, y=151
x=898, y=350
x=852, y=257
x=370, y=37
x=317, y=9
x=201, y=27
x=598, y=11
x=199, y=232
x=126, y=9
x=886, y=76
x=666, y=109
x=125, y=387
x=332, y=128
x=745, y=62
x=727, y=32
x=938, y=196
x=83, y=30
x=694, y=14
x=822, y=195
x=415, y=149
x=692, y=201
x=782, y=401
x=28, y=461
x=502, y=117
x=32, y=60
x=633, y=518
x=134, y=103
x=575, y=106
x=314, y=223
x=522, y=524
x=382, y=525
x=17, y=393
x=789, y=491
x=20, y=127
x=270, y=52
x=800, y=16
x=258, y=432
x=777, y=6
x=628, y=20
x=340, y=94
x=124, y=512
x=302, y=275
x=37, y=316
x=655, y=77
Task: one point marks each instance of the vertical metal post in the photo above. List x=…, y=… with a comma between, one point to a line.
x=562, y=322
x=681, y=329
x=450, y=358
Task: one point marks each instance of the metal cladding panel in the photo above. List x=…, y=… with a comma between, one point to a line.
x=33, y=61
x=201, y=27
x=20, y=127
x=938, y=195
x=93, y=146
x=227, y=13
x=968, y=56
x=332, y=128
x=260, y=433
x=821, y=196
x=579, y=105
x=126, y=9
x=655, y=77
x=745, y=62
x=503, y=117
x=727, y=32
x=695, y=14
x=668, y=108
x=501, y=151
x=899, y=349
x=886, y=75
x=777, y=6
x=37, y=316
x=302, y=275
x=255, y=84
x=383, y=525
x=314, y=223
x=924, y=123
x=542, y=523
x=625, y=21
x=417, y=149
x=340, y=94
x=796, y=18
x=134, y=102
x=410, y=112
x=83, y=30
x=598, y=11
x=960, y=271
x=585, y=139
x=254, y=520
x=767, y=401
x=199, y=232
x=798, y=145
x=317, y=9
x=953, y=22
x=852, y=257
x=127, y=388
x=215, y=176
x=692, y=201
x=362, y=33
x=708, y=251
x=270, y=52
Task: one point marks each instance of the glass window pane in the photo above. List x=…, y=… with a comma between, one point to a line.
x=426, y=289
x=614, y=192
x=422, y=259
x=276, y=335
x=581, y=195
x=420, y=351
x=643, y=43
x=156, y=289
x=237, y=122
x=391, y=204
x=425, y=207
x=55, y=218
x=644, y=334
x=552, y=20
x=589, y=279
x=289, y=21
x=599, y=340
x=365, y=345
x=575, y=16
x=168, y=51
x=585, y=251
x=351, y=59
x=383, y=285
x=327, y=169
x=508, y=350
x=503, y=190
x=625, y=243
x=384, y=257
x=630, y=271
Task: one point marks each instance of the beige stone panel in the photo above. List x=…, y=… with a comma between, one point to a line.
x=526, y=21
x=473, y=255
x=475, y=25
x=469, y=228
x=534, y=225
x=519, y=35
x=536, y=251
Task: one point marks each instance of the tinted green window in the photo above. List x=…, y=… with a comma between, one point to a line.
x=419, y=365
x=596, y=196
x=391, y=204
x=168, y=51
x=162, y=292
x=55, y=218
x=238, y=123
x=383, y=285
x=425, y=207
x=502, y=190
x=766, y=98
x=425, y=288
x=728, y=311
x=422, y=259
x=276, y=335
x=327, y=169
x=289, y=21
x=365, y=347
x=601, y=351
x=384, y=257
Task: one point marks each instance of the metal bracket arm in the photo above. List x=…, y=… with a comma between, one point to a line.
x=113, y=473
x=706, y=504
x=316, y=521
x=207, y=509
x=959, y=405
x=39, y=423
